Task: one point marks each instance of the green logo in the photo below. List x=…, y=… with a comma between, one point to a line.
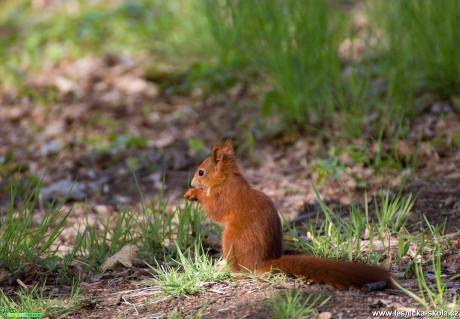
x=10, y=313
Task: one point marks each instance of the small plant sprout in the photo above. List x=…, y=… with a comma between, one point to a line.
x=392, y=213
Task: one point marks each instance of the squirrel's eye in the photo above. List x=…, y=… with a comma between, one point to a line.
x=201, y=172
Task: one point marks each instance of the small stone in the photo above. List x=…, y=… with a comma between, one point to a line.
x=64, y=189
x=50, y=148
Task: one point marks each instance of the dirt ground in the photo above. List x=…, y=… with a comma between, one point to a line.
x=105, y=122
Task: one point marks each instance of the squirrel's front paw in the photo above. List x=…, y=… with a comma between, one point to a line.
x=192, y=194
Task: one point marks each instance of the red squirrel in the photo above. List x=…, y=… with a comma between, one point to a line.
x=252, y=234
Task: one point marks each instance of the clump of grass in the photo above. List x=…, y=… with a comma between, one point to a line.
x=28, y=241
x=335, y=237
x=35, y=301
x=190, y=274
x=293, y=305
x=154, y=231
x=294, y=46
x=293, y=43
x=159, y=229
x=341, y=237
x=393, y=212
x=24, y=240
x=422, y=41
x=95, y=245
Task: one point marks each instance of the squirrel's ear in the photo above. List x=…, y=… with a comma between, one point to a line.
x=217, y=153
x=228, y=148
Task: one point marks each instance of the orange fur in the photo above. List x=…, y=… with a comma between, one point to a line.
x=252, y=235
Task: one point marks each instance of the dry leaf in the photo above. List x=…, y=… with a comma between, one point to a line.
x=367, y=233
x=123, y=258
x=324, y=315
x=22, y=284
x=386, y=264
x=403, y=231
x=406, y=259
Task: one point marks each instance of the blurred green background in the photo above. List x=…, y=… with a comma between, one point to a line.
x=311, y=61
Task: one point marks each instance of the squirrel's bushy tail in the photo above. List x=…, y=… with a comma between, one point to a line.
x=339, y=274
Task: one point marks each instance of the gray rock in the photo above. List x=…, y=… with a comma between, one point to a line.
x=64, y=189
x=50, y=148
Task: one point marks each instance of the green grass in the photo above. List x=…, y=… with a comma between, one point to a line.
x=95, y=245
x=380, y=156
x=422, y=39
x=35, y=36
x=35, y=301
x=186, y=268
x=434, y=296
x=295, y=305
x=155, y=230
x=392, y=213
x=288, y=50
x=26, y=240
x=427, y=238
x=340, y=235
x=162, y=231
x=190, y=274
x=292, y=43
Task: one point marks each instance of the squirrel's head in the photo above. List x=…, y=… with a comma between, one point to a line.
x=214, y=169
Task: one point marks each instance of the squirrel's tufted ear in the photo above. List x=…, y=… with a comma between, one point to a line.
x=217, y=153
x=228, y=148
